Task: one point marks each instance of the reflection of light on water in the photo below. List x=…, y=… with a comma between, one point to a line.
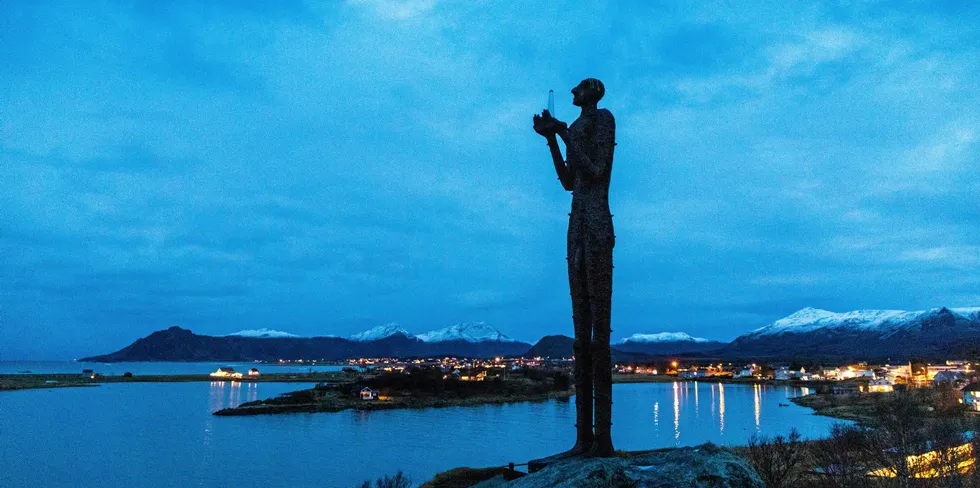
x=656, y=414
x=695, y=399
x=216, y=396
x=677, y=412
x=757, y=396
x=712, y=400
x=253, y=392
x=804, y=391
x=236, y=394
x=721, y=407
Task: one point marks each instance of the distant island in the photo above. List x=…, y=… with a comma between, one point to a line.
x=810, y=334
x=417, y=388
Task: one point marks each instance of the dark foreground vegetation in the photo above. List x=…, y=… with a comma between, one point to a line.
x=917, y=438
x=420, y=388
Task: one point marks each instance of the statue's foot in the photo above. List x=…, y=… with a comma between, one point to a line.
x=602, y=448
x=578, y=450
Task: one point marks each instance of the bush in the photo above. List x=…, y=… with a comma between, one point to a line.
x=846, y=456
x=561, y=382
x=778, y=460
x=127, y=374
x=397, y=481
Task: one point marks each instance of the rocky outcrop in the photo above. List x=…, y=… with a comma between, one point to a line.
x=706, y=466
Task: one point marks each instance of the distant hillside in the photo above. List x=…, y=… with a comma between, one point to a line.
x=560, y=346
x=667, y=343
x=553, y=346
x=865, y=334
x=177, y=344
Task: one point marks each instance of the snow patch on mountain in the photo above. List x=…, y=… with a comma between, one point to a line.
x=262, y=334
x=663, y=337
x=972, y=313
x=885, y=321
x=466, y=331
x=380, y=332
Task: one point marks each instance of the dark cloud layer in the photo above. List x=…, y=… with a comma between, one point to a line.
x=324, y=167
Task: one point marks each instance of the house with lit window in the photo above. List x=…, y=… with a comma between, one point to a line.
x=226, y=373
x=253, y=372
x=368, y=394
x=946, y=377
x=880, y=385
x=693, y=374
x=971, y=396
x=783, y=374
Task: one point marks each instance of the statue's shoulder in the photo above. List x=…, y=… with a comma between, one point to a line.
x=604, y=117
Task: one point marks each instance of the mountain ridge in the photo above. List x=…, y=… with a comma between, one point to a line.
x=813, y=332
x=810, y=332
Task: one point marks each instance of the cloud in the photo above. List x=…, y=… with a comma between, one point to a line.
x=321, y=167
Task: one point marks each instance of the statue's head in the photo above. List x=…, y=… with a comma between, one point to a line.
x=588, y=92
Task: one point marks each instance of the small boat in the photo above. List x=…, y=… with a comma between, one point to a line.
x=783, y=404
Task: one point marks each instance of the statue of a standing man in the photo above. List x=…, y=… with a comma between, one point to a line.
x=585, y=171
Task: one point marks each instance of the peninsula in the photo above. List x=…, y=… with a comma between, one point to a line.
x=420, y=388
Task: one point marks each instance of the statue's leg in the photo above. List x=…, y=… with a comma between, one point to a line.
x=582, y=318
x=598, y=257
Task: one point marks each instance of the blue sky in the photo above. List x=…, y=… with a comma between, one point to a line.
x=321, y=168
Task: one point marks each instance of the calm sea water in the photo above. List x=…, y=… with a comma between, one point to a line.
x=117, y=369
x=163, y=434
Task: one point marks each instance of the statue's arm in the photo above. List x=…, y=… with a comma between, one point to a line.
x=604, y=140
x=564, y=175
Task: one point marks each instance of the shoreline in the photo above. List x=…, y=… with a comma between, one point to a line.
x=23, y=381
x=339, y=405
x=27, y=381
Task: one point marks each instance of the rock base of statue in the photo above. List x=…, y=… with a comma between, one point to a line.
x=705, y=465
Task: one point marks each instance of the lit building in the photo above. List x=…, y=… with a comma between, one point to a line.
x=226, y=373
x=880, y=386
x=971, y=396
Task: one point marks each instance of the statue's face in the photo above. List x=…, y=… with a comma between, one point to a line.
x=578, y=94
x=583, y=95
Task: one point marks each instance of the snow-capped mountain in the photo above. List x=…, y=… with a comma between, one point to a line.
x=663, y=337
x=466, y=331
x=884, y=322
x=939, y=332
x=380, y=332
x=666, y=343
x=262, y=334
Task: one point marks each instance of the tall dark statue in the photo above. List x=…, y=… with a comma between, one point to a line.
x=585, y=171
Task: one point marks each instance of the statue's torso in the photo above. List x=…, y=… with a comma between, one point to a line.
x=590, y=194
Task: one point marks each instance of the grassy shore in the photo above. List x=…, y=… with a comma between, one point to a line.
x=858, y=407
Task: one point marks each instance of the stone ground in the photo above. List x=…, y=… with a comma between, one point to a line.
x=706, y=466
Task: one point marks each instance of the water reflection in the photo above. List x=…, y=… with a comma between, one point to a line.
x=677, y=413
x=696, y=388
x=253, y=392
x=216, y=396
x=721, y=408
x=171, y=416
x=226, y=394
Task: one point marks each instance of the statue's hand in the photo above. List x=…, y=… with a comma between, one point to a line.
x=548, y=126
